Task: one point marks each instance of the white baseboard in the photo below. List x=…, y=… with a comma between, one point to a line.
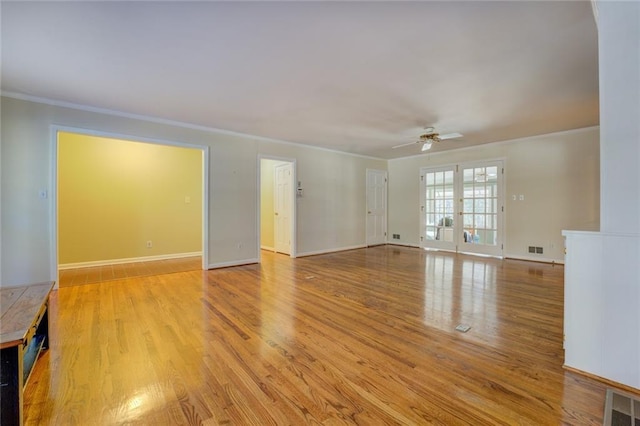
x=534, y=259
x=313, y=253
x=394, y=243
x=267, y=248
x=232, y=263
x=64, y=266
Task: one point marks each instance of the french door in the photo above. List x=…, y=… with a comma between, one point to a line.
x=462, y=208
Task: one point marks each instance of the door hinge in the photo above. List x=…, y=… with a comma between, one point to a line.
x=502, y=246
x=421, y=208
x=503, y=170
x=503, y=206
x=456, y=168
x=421, y=238
x=421, y=177
x=385, y=234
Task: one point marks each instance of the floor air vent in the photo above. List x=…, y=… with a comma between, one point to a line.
x=621, y=409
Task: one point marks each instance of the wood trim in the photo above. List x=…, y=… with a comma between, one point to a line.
x=65, y=266
x=608, y=382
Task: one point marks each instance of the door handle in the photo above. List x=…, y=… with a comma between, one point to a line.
x=276, y=213
x=369, y=212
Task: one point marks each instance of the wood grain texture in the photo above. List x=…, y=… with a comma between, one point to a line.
x=95, y=274
x=359, y=337
x=19, y=307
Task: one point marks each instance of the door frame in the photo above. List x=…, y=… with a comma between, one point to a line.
x=437, y=244
x=55, y=129
x=386, y=204
x=457, y=246
x=500, y=215
x=294, y=202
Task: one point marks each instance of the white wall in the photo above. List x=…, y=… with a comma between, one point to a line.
x=331, y=215
x=334, y=196
x=619, y=58
x=558, y=174
x=602, y=282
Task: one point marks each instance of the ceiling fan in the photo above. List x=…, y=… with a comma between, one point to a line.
x=429, y=137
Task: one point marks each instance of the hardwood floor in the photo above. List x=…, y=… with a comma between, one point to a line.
x=96, y=274
x=359, y=337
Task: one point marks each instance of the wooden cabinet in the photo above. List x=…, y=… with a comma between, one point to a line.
x=24, y=332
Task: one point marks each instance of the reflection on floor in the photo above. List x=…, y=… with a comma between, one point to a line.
x=363, y=336
x=96, y=274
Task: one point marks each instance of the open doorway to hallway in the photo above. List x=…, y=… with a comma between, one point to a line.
x=127, y=208
x=277, y=205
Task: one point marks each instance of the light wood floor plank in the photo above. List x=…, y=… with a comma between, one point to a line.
x=95, y=274
x=359, y=337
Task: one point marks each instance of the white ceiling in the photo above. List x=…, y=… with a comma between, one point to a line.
x=358, y=77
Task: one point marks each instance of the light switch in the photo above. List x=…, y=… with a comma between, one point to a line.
x=521, y=197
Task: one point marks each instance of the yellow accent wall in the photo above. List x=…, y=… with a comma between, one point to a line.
x=114, y=196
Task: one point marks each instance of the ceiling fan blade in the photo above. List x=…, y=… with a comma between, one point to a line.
x=405, y=144
x=451, y=136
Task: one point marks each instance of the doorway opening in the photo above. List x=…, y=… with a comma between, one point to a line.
x=277, y=211
x=124, y=205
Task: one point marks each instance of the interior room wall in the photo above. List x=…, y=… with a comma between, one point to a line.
x=558, y=175
x=115, y=195
x=331, y=213
x=602, y=279
x=267, y=176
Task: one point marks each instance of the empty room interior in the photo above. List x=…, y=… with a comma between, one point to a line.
x=320, y=212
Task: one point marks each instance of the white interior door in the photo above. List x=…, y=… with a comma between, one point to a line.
x=282, y=207
x=376, y=207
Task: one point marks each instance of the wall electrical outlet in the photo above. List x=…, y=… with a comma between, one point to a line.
x=149, y=244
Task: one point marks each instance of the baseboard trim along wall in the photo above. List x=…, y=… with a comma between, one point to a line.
x=534, y=259
x=127, y=260
x=313, y=253
x=232, y=263
x=395, y=243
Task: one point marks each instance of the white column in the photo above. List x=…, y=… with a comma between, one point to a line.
x=602, y=272
x=619, y=50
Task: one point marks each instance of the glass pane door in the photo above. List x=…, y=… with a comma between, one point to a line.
x=462, y=208
x=481, y=208
x=438, y=208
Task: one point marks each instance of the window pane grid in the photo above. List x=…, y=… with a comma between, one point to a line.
x=480, y=204
x=439, y=204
